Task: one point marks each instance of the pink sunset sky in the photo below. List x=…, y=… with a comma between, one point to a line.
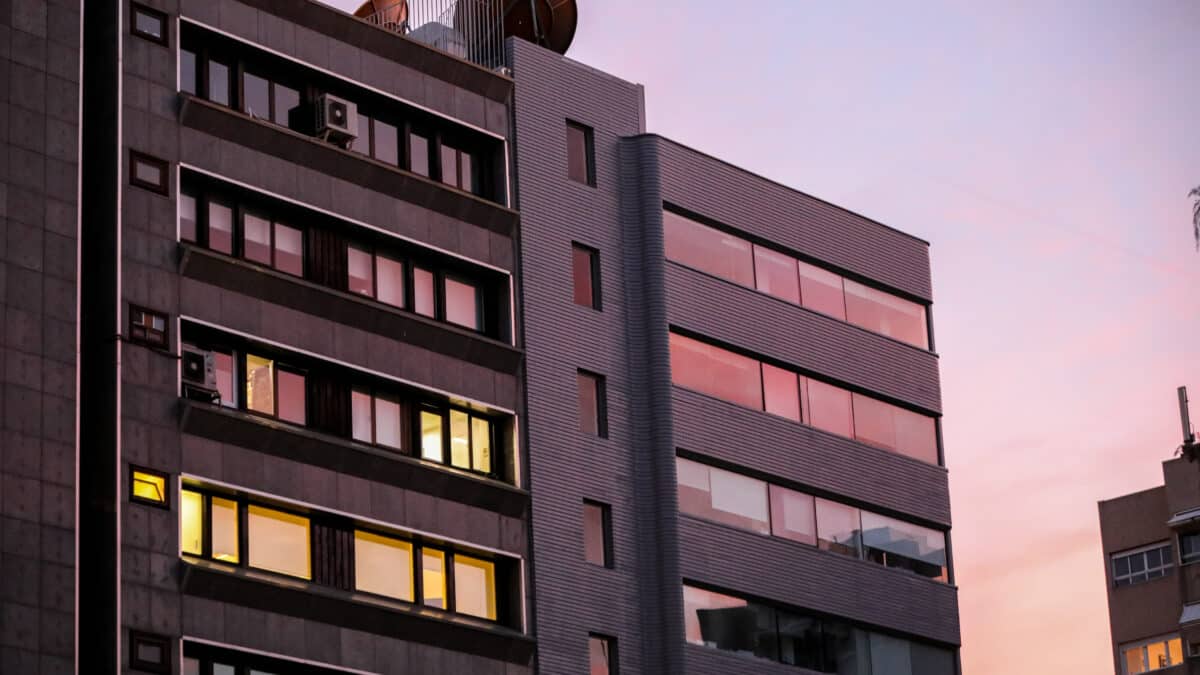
x=1046, y=152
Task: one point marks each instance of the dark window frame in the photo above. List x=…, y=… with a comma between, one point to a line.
x=601, y=387
x=242, y=372
x=606, y=534
x=166, y=478
x=405, y=413
x=443, y=411
x=135, y=9
x=610, y=644
x=241, y=213
x=589, y=153
x=139, y=638
x=593, y=256
x=1192, y=557
x=146, y=339
x=162, y=166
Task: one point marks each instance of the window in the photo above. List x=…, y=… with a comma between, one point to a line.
x=781, y=392
x=829, y=408
x=462, y=303
x=707, y=249
x=433, y=578
x=149, y=653
x=187, y=72
x=220, y=227
x=256, y=96
x=278, y=541
x=376, y=419
x=418, y=154
x=1152, y=655
x=892, y=428
x=469, y=442
x=272, y=243
x=838, y=528
x=729, y=623
x=602, y=655
x=457, y=168
x=424, y=302
x=895, y=543
x=273, y=391
x=597, y=533
x=377, y=276
x=592, y=405
x=208, y=526
x=218, y=83
x=886, y=314
x=147, y=327
x=149, y=23
x=148, y=172
x=821, y=291
x=723, y=496
x=581, y=161
x=793, y=515
x=474, y=587
x=1141, y=565
x=147, y=486
x=1189, y=548
x=383, y=565
x=775, y=274
x=187, y=217
x=716, y=372
x=585, y=272
x=385, y=142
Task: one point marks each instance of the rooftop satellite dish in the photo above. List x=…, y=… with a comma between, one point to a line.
x=549, y=23
x=391, y=14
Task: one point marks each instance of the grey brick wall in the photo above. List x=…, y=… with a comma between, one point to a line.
x=39, y=137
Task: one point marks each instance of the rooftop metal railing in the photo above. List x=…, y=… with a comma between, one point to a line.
x=472, y=30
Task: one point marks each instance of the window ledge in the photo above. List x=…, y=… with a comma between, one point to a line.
x=277, y=438
x=299, y=598
x=346, y=308
x=313, y=153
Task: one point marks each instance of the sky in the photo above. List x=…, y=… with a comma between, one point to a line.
x=1046, y=151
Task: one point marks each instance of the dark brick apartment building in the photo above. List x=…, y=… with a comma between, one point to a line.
x=340, y=344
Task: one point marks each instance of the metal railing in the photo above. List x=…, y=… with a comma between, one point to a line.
x=472, y=30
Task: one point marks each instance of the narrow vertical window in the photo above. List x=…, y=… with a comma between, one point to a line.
x=187, y=71
x=218, y=82
x=597, y=533
x=361, y=422
x=289, y=250
x=474, y=587
x=585, y=273
x=191, y=523
x=460, y=439
x=361, y=271
x=423, y=292
x=387, y=423
x=581, y=163
x=220, y=227
x=225, y=378
x=256, y=96
x=386, y=143
x=462, y=304
x=592, y=406
x=260, y=385
x=781, y=392
x=433, y=578
x=418, y=154
x=450, y=166
x=187, y=217
x=431, y=436
x=223, y=518
x=285, y=99
x=390, y=287
x=256, y=238
x=602, y=655
x=481, y=445
x=291, y=397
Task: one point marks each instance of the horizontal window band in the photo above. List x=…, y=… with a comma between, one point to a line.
x=223, y=652
x=271, y=437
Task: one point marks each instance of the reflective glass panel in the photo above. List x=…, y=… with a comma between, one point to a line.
x=793, y=515
x=191, y=522
x=225, y=378
x=148, y=24
x=599, y=655
x=423, y=292
x=387, y=423
x=895, y=543
x=278, y=541
x=474, y=587
x=467, y=172
x=730, y=624
x=893, y=428
x=594, y=549
x=829, y=408
x=460, y=439
x=291, y=397
x=391, y=281
x=386, y=148
x=577, y=159
x=360, y=416
x=433, y=578
x=707, y=249
x=821, y=290
x=800, y=641
x=838, y=527
x=224, y=521
x=260, y=384
x=218, y=82
x=781, y=392
x=582, y=274
x=223, y=669
x=928, y=660
x=187, y=71
x=887, y=314
x=449, y=165
x=191, y=666
x=589, y=403
x=383, y=565
x=723, y=496
x=431, y=436
x=256, y=96
x=481, y=445
x=187, y=217
x=775, y=274
x=256, y=239
x=418, y=161
x=289, y=250
x=716, y=372
x=286, y=98
x=362, y=144
x=362, y=274
x=891, y=655
x=461, y=307
x=220, y=228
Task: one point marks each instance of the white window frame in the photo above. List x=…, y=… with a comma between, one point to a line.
x=1162, y=639
x=1146, y=570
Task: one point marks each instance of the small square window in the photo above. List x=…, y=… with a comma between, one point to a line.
x=585, y=272
x=149, y=653
x=597, y=533
x=148, y=172
x=602, y=655
x=148, y=23
x=148, y=327
x=581, y=161
x=147, y=486
x=592, y=405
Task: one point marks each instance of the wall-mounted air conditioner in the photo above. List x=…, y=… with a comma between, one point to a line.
x=337, y=119
x=200, y=375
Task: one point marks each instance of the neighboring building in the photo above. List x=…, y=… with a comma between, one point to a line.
x=385, y=359
x=1151, y=540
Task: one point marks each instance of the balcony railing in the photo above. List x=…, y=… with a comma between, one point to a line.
x=472, y=30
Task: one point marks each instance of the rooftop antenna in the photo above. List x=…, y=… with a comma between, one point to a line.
x=1191, y=450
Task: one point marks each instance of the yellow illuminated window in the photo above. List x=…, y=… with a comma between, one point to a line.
x=474, y=587
x=383, y=565
x=481, y=444
x=431, y=436
x=278, y=542
x=433, y=578
x=260, y=384
x=224, y=530
x=191, y=523
x=150, y=487
x=460, y=439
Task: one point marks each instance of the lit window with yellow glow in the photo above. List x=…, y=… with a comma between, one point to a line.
x=278, y=542
x=431, y=436
x=433, y=578
x=191, y=523
x=474, y=587
x=149, y=487
x=224, y=518
x=383, y=565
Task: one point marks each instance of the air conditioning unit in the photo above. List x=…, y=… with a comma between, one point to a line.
x=200, y=375
x=337, y=119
